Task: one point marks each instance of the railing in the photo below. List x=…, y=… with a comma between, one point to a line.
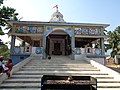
x=88, y=50
x=28, y=50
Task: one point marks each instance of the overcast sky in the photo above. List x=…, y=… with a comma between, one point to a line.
x=80, y=11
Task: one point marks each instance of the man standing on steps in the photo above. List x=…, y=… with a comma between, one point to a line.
x=9, y=65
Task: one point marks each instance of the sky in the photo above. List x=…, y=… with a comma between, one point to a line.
x=79, y=11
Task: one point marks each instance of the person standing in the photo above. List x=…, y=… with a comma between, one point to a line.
x=9, y=65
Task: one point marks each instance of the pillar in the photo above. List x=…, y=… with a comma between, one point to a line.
x=102, y=46
x=23, y=45
x=13, y=37
x=73, y=47
x=44, y=47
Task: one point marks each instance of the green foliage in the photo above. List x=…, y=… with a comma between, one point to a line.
x=113, y=53
x=114, y=41
x=6, y=14
x=4, y=51
x=1, y=2
x=1, y=32
x=107, y=47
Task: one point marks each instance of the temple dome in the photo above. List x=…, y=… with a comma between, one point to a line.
x=57, y=17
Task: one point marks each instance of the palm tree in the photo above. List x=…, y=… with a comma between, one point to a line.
x=114, y=41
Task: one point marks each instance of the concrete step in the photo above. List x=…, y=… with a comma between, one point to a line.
x=59, y=64
x=55, y=64
x=74, y=74
x=58, y=69
x=108, y=81
x=20, y=85
x=38, y=79
x=108, y=85
x=20, y=88
x=66, y=67
x=40, y=89
x=99, y=78
x=39, y=76
x=35, y=83
x=64, y=61
x=61, y=72
x=62, y=66
x=108, y=88
x=29, y=77
x=25, y=80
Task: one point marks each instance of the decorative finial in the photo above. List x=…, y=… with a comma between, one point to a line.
x=56, y=6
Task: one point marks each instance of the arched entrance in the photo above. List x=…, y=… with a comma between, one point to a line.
x=58, y=42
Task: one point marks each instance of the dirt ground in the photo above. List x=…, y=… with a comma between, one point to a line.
x=110, y=63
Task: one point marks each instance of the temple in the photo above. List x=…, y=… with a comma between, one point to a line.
x=57, y=37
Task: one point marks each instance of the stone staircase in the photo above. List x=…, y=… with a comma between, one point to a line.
x=29, y=76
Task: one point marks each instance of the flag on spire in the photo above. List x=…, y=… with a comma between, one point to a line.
x=56, y=6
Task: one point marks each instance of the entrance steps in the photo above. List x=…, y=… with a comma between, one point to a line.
x=29, y=76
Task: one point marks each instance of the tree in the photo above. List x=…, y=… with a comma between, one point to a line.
x=4, y=51
x=6, y=14
x=1, y=2
x=114, y=41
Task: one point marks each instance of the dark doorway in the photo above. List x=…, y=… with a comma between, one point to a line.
x=57, y=49
x=56, y=46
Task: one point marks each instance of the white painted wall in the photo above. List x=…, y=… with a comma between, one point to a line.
x=80, y=57
x=83, y=57
x=33, y=50
x=98, y=60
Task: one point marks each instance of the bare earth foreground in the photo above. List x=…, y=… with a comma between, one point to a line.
x=112, y=65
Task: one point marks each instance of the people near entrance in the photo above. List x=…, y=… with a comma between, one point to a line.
x=9, y=65
x=5, y=68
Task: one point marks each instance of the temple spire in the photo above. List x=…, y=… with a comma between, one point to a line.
x=57, y=16
x=56, y=6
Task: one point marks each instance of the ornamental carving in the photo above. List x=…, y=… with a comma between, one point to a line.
x=29, y=29
x=87, y=31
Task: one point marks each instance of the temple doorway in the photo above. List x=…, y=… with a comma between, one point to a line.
x=58, y=43
x=57, y=49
